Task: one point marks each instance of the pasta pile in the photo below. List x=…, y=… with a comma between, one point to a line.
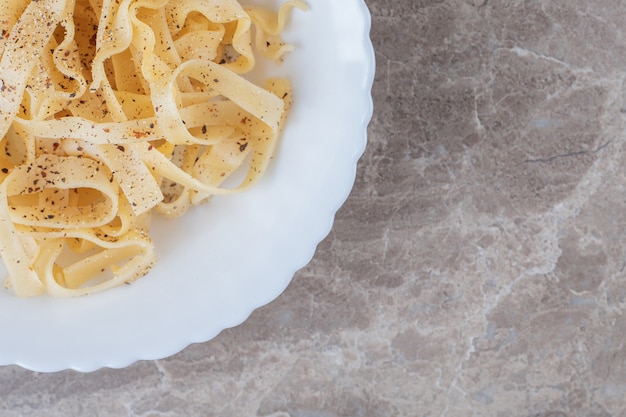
x=111, y=110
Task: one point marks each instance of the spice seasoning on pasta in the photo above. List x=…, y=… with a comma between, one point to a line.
x=112, y=111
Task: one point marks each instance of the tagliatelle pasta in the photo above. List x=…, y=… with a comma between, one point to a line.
x=112, y=110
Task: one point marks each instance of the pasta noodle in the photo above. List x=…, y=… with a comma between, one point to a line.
x=112, y=110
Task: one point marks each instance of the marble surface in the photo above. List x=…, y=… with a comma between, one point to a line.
x=478, y=267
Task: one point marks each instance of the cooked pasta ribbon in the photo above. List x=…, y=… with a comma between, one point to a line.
x=113, y=110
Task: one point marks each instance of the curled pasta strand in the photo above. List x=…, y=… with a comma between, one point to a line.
x=270, y=25
x=255, y=100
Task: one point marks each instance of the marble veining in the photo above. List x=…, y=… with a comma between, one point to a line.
x=478, y=267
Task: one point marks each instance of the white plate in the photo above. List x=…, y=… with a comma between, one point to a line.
x=223, y=260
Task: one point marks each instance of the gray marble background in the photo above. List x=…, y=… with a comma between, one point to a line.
x=477, y=269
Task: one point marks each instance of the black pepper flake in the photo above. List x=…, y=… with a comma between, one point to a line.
x=5, y=170
x=243, y=146
x=121, y=148
x=203, y=129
